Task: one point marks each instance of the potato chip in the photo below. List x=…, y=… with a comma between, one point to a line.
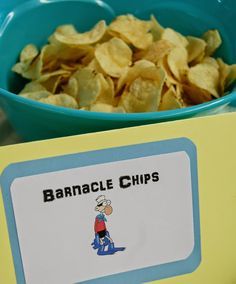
x=66, y=30
x=60, y=53
x=102, y=107
x=143, y=63
x=175, y=38
x=153, y=73
x=19, y=68
x=170, y=80
x=88, y=57
x=27, y=56
x=113, y=57
x=213, y=40
x=107, y=94
x=111, y=87
x=177, y=61
x=36, y=96
x=156, y=29
x=227, y=75
x=29, y=66
x=47, y=76
x=70, y=66
x=106, y=37
x=95, y=66
x=211, y=61
x=132, y=31
x=29, y=53
x=63, y=100
x=89, y=87
x=33, y=86
x=55, y=83
x=179, y=95
x=156, y=51
x=198, y=59
x=194, y=95
x=170, y=100
x=224, y=72
x=143, y=95
x=47, y=61
x=196, y=48
x=51, y=81
x=231, y=78
x=32, y=71
x=78, y=39
x=134, y=72
x=72, y=88
x=50, y=66
x=205, y=76
x=124, y=78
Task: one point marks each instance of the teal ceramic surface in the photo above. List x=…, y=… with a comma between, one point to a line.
x=32, y=21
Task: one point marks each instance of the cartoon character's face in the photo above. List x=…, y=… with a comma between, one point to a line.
x=104, y=207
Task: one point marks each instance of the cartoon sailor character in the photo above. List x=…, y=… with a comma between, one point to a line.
x=102, y=240
x=103, y=206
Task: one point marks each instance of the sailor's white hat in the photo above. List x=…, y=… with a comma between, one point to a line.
x=101, y=199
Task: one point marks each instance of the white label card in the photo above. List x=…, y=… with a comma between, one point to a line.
x=89, y=222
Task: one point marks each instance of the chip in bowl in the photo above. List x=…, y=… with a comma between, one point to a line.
x=130, y=65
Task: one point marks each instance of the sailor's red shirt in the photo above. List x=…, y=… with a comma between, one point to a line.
x=99, y=225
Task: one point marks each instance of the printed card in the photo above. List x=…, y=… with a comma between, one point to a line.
x=119, y=215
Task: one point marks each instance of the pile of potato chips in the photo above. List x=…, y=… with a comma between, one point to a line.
x=130, y=66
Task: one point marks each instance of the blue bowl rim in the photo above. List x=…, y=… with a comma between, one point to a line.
x=144, y=116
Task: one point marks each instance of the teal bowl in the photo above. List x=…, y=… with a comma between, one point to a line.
x=32, y=21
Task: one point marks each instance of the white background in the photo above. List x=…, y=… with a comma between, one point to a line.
x=154, y=222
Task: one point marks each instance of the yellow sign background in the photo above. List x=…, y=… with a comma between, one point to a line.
x=215, y=138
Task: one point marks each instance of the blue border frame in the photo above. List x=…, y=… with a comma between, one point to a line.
x=157, y=272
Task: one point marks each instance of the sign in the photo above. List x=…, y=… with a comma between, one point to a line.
x=120, y=214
